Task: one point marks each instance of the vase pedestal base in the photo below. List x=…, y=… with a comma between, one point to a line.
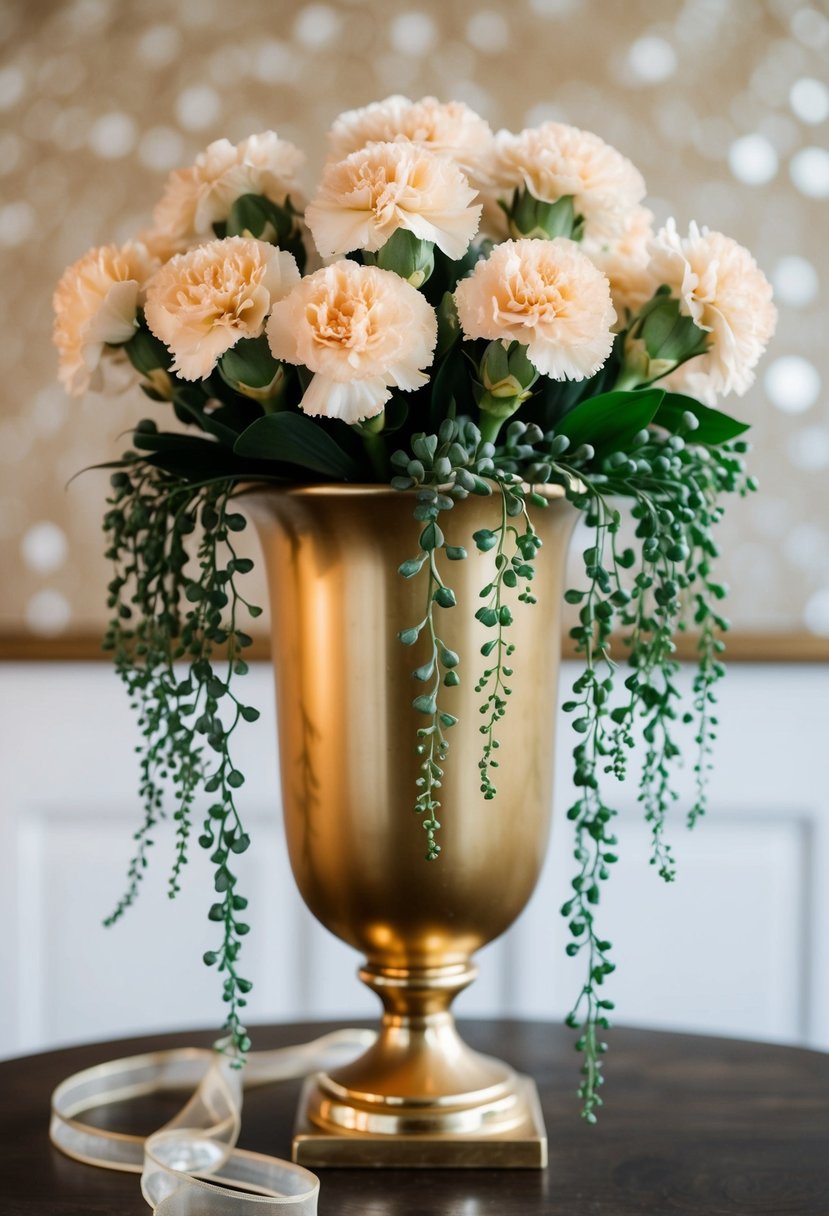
x=420, y=1096
x=506, y=1133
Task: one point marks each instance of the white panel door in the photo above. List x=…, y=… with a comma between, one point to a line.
x=736, y=945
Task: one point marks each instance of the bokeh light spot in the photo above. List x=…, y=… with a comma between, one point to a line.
x=198, y=107
x=113, y=135
x=809, y=171
x=752, y=159
x=792, y=383
x=809, y=99
x=44, y=547
x=795, y=281
x=48, y=612
x=652, y=59
x=413, y=33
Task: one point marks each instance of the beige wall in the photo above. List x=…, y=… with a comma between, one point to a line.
x=723, y=105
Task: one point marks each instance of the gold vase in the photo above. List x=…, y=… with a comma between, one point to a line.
x=347, y=739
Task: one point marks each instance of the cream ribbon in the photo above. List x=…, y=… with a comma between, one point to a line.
x=184, y=1164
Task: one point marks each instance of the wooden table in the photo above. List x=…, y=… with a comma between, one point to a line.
x=692, y=1125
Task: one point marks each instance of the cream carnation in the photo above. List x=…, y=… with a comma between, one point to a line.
x=202, y=302
x=450, y=128
x=195, y=199
x=361, y=330
x=721, y=287
x=548, y=296
x=625, y=263
x=95, y=303
x=363, y=199
x=555, y=160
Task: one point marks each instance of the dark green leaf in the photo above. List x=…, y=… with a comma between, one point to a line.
x=714, y=426
x=249, y=362
x=609, y=422
x=295, y=439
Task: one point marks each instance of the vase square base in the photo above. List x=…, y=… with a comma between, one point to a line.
x=522, y=1145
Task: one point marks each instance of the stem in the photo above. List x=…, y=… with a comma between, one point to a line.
x=489, y=426
x=376, y=451
x=626, y=380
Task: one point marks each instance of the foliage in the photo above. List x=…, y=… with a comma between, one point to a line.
x=485, y=421
x=668, y=457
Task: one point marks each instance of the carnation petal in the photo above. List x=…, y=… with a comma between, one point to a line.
x=115, y=320
x=720, y=286
x=197, y=197
x=352, y=324
x=201, y=303
x=451, y=129
x=451, y=232
x=555, y=160
x=548, y=296
x=352, y=400
x=363, y=199
x=95, y=304
x=338, y=230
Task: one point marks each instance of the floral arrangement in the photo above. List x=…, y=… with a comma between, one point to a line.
x=454, y=312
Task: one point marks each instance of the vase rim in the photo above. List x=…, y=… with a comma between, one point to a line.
x=365, y=488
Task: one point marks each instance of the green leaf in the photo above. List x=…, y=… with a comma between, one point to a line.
x=609, y=422
x=249, y=362
x=253, y=213
x=714, y=426
x=192, y=406
x=295, y=439
x=146, y=352
x=445, y=597
x=449, y=329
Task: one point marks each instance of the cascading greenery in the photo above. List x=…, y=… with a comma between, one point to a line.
x=178, y=636
x=634, y=460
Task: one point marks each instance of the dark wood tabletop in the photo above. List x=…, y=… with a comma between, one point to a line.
x=713, y=1127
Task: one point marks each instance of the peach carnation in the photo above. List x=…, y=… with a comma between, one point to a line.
x=625, y=263
x=95, y=303
x=202, y=302
x=195, y=199
x=721, y=287
x=361, y=330
x=449, y=128
x=548, y=296
x=363, y=199
x=555, y=160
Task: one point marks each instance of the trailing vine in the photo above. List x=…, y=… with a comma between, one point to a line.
x=496, y=614
x=674, y=488
x=166, y=628
x=445, y=376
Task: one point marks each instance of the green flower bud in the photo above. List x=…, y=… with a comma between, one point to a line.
x=158, y=384
x=250, y=369
x=660, y=339
x=528, y=216
x=506, y=378
x=408, y=256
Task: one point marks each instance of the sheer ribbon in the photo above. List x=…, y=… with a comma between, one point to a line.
x=191, y=1166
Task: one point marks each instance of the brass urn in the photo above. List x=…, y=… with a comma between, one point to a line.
x=347, y=736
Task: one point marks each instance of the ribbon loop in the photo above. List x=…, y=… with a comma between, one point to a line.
x=191, y=1166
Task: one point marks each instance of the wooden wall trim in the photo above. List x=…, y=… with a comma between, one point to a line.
x=741, y=648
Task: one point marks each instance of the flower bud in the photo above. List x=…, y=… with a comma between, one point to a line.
x=528, y=216
x=250, y=369
x=660, y=339
x=506, y=377
x=158, y=384
x=151, y=359
x=408, y=256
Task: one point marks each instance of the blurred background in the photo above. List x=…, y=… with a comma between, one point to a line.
x=724, y=106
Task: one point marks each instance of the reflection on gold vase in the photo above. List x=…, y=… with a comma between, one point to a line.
x=419, y=1096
